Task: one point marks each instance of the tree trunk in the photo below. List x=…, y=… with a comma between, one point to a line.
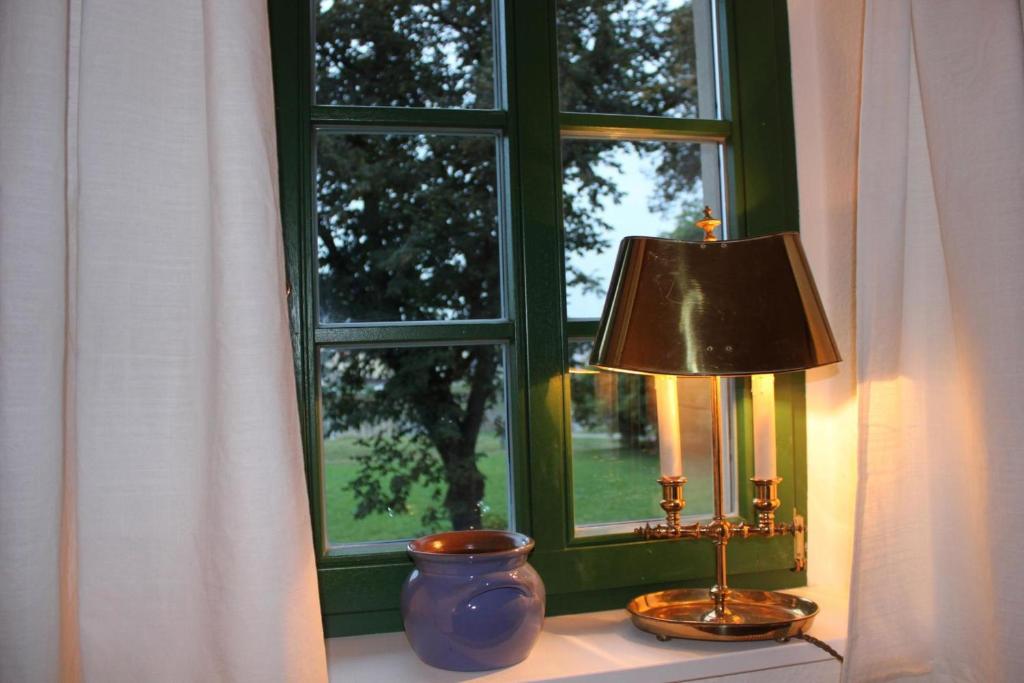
x=465, y=492
x=466, y=482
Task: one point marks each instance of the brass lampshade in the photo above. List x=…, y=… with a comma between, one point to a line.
x=739, y=307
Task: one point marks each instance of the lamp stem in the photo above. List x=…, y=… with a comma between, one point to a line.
x=716, y=447
x=720, y=591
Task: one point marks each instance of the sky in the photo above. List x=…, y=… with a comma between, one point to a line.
x=630, y=217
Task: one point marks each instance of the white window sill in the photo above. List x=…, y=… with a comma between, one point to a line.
x=600, y=646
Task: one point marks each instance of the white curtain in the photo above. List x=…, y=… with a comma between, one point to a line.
x=825, y=43
x=939, y=532
x=153, y=516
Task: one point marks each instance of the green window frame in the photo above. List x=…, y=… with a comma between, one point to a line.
x=360, y=593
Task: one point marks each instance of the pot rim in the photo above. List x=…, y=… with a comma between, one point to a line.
x=460, y=544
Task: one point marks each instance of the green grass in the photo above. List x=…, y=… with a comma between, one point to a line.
x=614, y=484
x=610, y=483
x=340, y=468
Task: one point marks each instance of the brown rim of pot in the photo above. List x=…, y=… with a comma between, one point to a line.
x=483, y=543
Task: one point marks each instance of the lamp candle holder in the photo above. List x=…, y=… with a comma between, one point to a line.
x=766, y=502
x=672, y=499
x=721, y=613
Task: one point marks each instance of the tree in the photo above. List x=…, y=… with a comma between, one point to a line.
x=407, y=223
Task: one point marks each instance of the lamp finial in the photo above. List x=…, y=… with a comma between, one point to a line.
x=708, y=225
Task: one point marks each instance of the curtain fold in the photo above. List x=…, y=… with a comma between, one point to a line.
x=154, y=523
x=33, y=108
x=826, y=42
x=940, y=272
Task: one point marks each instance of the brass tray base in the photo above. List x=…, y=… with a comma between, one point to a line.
x=751, y=615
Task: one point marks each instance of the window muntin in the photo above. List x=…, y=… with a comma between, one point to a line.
x=410, y=177
x=408, y=218
x=633, y=175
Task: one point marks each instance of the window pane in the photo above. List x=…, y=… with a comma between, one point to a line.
x=648, y=57
x=407, y=227
x=612, y=189
x=405, y=54
x=414, y=441
x=615, y=463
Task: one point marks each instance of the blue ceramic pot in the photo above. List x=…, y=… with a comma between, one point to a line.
x=472, y=603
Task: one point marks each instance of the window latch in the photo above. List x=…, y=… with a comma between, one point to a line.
x=799, y=547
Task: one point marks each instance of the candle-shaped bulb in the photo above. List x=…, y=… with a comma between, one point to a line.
x=763, y=390
x=670, y=438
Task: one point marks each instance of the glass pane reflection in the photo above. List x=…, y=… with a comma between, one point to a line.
x=405, y=54
x=407, y=227
x=612, y=189
x=646, y=57
x=615, y=443
x=413, y=441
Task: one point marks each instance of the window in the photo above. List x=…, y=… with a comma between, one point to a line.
x=455, y=178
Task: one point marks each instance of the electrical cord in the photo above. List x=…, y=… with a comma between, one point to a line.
x=817, y=643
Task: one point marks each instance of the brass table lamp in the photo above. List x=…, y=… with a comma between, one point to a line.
x=715, y=309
